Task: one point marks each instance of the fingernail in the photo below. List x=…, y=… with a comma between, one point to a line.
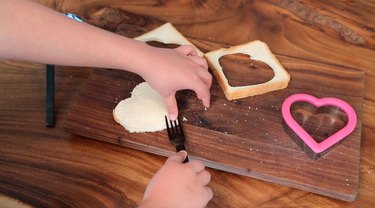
x=207, y=105
x=172, y=117
x=183, y=152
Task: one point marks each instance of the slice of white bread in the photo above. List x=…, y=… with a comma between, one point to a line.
x=144, y=111
x=8, y=202
x=257, y=50
x=166, y=34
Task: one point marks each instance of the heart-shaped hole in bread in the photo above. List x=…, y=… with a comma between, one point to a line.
x=241, y=70
x=168, y=35
x=258, y=51
x=163, y=45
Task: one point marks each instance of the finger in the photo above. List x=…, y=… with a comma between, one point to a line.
x=206, y=101
x=187, y=50
x=203, y=93
x=209, y=192
x=200, y=61
x=179, y=157
x=206, y=195
x=204, y=177
x=206, y=77
x=172, y=109
x=196, y=166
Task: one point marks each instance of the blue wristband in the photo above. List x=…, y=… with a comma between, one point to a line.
x=74, y=16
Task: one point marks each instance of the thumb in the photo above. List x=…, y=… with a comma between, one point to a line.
x=172, y=109
x=179, y=157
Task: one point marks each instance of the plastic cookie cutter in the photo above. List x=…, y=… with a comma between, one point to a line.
x=303, y=112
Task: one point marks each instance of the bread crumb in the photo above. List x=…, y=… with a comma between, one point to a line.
x=184, y=118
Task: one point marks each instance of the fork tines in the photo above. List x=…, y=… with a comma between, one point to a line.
x=176, y=134
x=174, y=127
x=175, y=131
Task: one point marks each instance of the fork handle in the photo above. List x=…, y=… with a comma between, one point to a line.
x=182, y=147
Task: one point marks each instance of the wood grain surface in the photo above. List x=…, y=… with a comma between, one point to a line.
x=245, y=136
x=44, y=167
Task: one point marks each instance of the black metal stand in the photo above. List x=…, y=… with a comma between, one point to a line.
x=50, y=95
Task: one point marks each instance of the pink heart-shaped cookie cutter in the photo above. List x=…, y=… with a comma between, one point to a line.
x=318, y=102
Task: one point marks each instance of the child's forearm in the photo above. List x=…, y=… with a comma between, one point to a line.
x=32, y=32
x=51, y=37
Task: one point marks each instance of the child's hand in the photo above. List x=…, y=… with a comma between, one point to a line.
x=171, y=70
x=179, y=185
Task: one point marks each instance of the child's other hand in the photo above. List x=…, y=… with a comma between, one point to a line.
x=179, y=184
x=171, y=70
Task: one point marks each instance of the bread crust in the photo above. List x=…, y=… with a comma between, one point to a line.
x=167, y=34
x=259, y=51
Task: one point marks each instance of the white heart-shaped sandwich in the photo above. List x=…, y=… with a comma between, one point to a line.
x=144, y=111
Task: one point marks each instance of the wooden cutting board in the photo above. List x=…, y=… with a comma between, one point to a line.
x=246, y=136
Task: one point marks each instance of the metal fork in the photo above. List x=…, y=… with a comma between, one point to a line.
x=176, y=135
